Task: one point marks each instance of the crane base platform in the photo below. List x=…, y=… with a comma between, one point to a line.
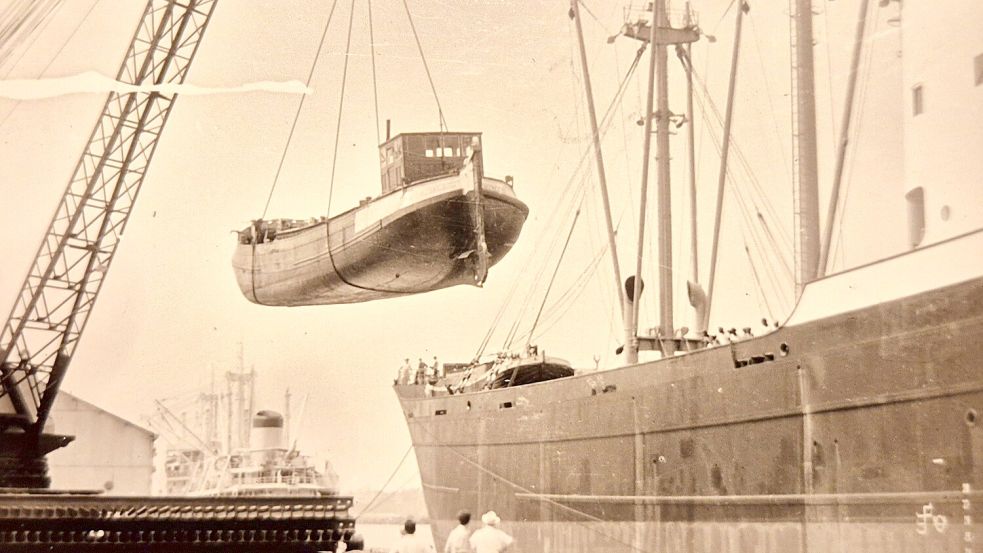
x=50, y=521
x=22, y=455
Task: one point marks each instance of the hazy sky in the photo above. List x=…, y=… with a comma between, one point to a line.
x=170, y=314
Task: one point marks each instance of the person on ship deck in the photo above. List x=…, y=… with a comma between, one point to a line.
x=405, y=371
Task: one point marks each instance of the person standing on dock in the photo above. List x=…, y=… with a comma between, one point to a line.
x=457, y=540
x=410, y=542
x=489, y=538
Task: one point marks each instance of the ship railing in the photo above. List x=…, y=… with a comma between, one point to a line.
x=278, y=479
x=678, y=19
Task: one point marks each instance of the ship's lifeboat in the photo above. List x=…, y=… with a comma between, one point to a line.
x=439, y=222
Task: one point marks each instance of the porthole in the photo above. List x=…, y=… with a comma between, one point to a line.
x=971, y=417
x=783, y=349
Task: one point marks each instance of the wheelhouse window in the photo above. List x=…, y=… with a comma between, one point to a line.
x=410, y=158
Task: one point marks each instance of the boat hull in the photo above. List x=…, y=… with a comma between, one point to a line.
x=413, y=240
x=855, y=430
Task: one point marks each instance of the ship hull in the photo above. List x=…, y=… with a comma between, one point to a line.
x=416, y=239
x=855, y=430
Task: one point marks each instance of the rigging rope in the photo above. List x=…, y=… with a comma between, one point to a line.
x=854, y=146
x=337, y=129
x=779, y=137
x=13, y=34
x=375, y=87
x=300, y=106
x=539, y=496
x=563, y=252
x=749, y=227
x=603, y=128
x=742, y=159
x=388, y=480
x=561, y=305
x=440, y=111
x=53, y=57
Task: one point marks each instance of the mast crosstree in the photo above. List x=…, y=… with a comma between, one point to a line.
x=659, y=34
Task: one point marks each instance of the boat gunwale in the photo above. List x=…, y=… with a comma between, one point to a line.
x=512, y=198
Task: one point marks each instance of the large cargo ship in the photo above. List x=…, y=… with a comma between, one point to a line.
x=853, y=426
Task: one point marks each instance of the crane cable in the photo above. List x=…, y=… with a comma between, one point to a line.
x=26, y=30
x=52, y=59
x=300, y=106
x=375, y=86
x=341, y=107
x=334, y=164
x=440, y=111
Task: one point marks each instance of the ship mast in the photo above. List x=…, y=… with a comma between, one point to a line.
x=664, y=191
x=806, y=189
x=660, y=35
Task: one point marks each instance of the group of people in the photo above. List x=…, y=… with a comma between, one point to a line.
x=487, y=539
x=421, y=373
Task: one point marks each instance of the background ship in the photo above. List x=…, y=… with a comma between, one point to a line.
x=255, y=458
x=853, y=426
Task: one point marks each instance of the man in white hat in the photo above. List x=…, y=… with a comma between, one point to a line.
x=489, y=538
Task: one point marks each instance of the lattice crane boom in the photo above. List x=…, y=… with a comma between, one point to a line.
x=47, y=320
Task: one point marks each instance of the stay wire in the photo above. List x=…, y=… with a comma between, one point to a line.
x=561, y=305
x=839, y=247
x=604, y=126
x=606, y=120
x=388, y=480
x=300, y=106
x=749, y=228
x=426, y=67
x=556, y=270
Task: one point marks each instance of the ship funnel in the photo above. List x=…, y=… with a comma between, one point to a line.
x=267, y=431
